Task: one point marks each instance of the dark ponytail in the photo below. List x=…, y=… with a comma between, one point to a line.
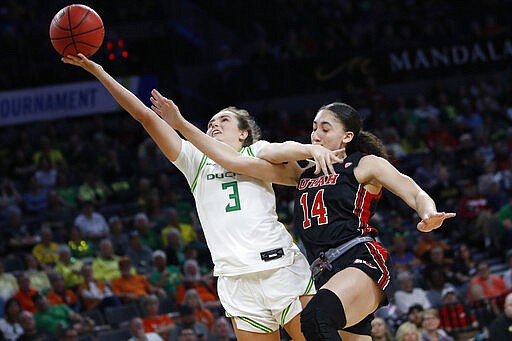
x=363, y=141
x=367, y=143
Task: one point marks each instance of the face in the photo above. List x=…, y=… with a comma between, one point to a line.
x=224, y=127
x=483, y=271
x=411, y=336
x=221, y=327
x=430, y=321
x=416, y=317
x=378, y=327
x=27, y=320
x=137, y=328
x=328, y=131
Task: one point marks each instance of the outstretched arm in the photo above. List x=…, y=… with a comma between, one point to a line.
x=165, y=137
x=377, y=171
x=220, y=152
x=295, y=151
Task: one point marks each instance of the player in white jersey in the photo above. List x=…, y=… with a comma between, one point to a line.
x=264, y=280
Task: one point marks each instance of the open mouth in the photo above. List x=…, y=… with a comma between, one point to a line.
x=216, y=132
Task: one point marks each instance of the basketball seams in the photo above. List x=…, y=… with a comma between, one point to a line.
x=70, y=31
x=78, y=34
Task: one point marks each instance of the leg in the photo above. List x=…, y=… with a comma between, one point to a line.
x=244, y=335
x=293, y=327
x=356, y=290
x=326, y=313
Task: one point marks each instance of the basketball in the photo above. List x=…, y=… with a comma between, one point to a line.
x=77, y=29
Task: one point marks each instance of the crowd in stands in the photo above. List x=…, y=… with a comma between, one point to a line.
x=94, y=217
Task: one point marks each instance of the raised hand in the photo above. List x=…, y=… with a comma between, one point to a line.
x=84, y=62
x=166, y=109
x=433, y=221
x=325, y=158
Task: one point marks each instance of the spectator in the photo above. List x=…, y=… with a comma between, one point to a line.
x=138, y=333
x=187, y=232
x=407, y=331
x=193, y=280
x=148, y=236
x=52, y=317
x=188, y=334
x=436, y=281
x=59, y=294
x=93, y=190
x=431, y=327
x=30, y=331
x=10, y=199
x=38, y=278
x=9, y=324
x=464, y=267
x=425, y=243
x=437, y=259
x=58, y=214
x=117, y=236
x=46, y=174
x=25, y=293
x=174, y=249
x=455, y=315
x=187, y=320
x=403, y=258
x=164, y=276
x=408, y=294
x=16, y=235
x=415, y=315
x=106, y=266
x=131, y=287
x=69, y=267
x=154, y=322
x=505, y=224
x=380, y=330
x=484, y=284
x=203, y=314
x=92, y=224
x=35, y=198
x=501, y=327
x=8, y=284
x=46, y=250
x=139, y=254
x=94, y=293
x=52, y=154
x=80, y=248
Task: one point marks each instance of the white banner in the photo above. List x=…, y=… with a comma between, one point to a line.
x=59, y=101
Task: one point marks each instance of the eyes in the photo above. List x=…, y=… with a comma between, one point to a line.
x=223, y=119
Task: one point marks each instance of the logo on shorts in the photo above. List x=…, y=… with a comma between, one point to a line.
x=368, y=264
x=348, y=164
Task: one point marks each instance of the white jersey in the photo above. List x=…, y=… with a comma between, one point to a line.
x=237, y=214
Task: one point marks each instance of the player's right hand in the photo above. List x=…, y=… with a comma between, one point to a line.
x=84, y=62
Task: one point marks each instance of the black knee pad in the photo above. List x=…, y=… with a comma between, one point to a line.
x=322, y=317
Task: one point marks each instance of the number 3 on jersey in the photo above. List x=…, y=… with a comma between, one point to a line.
x=233, y=205
x=318, y=210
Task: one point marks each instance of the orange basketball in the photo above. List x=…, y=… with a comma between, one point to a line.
x=77, y=29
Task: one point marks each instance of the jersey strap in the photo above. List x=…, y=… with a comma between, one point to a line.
x=201, y=165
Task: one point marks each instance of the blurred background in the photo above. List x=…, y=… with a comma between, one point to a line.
x=431, y=78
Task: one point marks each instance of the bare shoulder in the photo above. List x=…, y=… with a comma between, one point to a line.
x=369, y=166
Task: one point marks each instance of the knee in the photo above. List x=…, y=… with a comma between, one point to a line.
x=323, y=317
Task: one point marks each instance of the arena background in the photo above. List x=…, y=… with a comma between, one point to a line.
x=432, y=79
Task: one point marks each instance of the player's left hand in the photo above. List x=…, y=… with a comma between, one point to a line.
x=325, y=158
x=166, y=109
x=432, y=221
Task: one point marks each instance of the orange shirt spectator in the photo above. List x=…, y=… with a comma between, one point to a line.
x=162, y=324
x=154, y=323
x=202, y=314
x=129, y=286
x=25, y=293
x=485, y=285
x=68, y=297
